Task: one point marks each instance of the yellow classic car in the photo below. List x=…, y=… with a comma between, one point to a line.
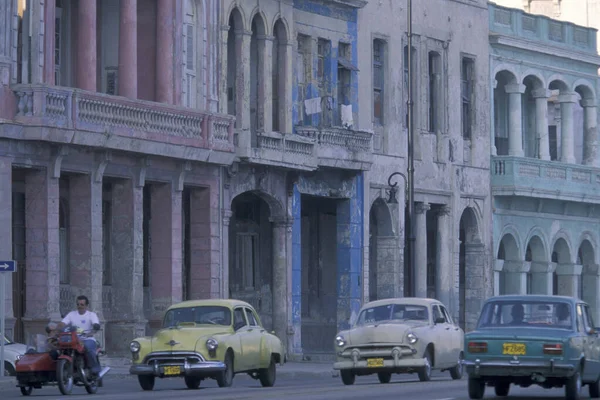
x=401, y=335
x=203, y=339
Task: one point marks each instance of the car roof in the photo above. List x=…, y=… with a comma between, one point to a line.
x=230, y=303
x=422, y=301
x=534, y=297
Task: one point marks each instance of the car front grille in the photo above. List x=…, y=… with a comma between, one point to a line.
x=379, y=351
x=173, y=357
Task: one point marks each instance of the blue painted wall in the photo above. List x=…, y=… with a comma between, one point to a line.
x=296, y=270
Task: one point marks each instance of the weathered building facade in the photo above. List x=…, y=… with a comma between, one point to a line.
x=451, y=141
x=111, y=150
x=545, y=158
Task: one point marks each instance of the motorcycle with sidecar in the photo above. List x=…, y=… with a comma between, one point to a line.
x=64, y=365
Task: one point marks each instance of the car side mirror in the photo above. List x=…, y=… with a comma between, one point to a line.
x=440, y=320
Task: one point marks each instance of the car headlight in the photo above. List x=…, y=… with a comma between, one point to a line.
x=212, y=344
x=412, y=338
x=18, y=357
x=134, y=346
x=340, y=341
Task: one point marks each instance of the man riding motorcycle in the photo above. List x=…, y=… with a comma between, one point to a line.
x=86, y=322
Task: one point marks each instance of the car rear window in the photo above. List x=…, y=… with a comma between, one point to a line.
x=544, y=314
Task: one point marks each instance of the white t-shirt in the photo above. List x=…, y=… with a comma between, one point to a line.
x=83, y=322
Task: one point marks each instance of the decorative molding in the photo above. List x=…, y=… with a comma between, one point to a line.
x=106, y=157
x=141, y=175
x=184, y=167
x=57, y=158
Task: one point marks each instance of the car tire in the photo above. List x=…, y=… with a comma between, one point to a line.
x=476, y=388
x=146, y=382
x=384, y=377
x=456, y=372
x=267, y=375
x=594, y=389
x=573, y=387
x=192, y=382
x=225, y=378
x=425, y=372
x=348, y=377
x=502, y=389
x=9, y=370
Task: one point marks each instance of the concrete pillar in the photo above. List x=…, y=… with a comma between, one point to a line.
x=541, y=122
x=389, y=281
x=515, y=276
x=493, y=123
x=164, y=51
x=86, y=45
x=166, y=260
x=568, y=276
x=223, y=55
x=6, y=252
x=280, y=289
x=128, y=69
x=515, y=121
x=541, y=277
x=443, y=282
x=242, y=79
x=49, y=41
x=285, y=90
x=199, y=286
x=296, y=279
x=498, y=271
x=42, y=251
x=265, y=83
x=567, y=100
x=421, y=249
x=127, y=259
x=591, y=289
x=225, y=249
x=590, y=133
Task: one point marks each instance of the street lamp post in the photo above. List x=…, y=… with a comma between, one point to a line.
x=410, y=184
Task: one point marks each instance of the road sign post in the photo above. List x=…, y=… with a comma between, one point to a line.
x=6, y=267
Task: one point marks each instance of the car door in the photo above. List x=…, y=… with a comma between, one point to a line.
x=456, y=337
x=591, y=345
x=241, y=327
x=253, y=338
x=442, y=337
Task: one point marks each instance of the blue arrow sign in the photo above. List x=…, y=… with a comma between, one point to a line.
x=8, y=266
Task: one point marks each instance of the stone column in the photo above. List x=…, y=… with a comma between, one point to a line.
x=127, y=254
x=444, y=281
x=285, y=90
x=86, y=45
x=591, y=289
x=265, y=83
x=541, y=277
x=42, y=251
x=492, y=118
x=421, y=249
x=541, y=122
x=567, y=153
x=590, y=133
x=498, y=270
x=6, y=252
x=49, y=41
x=280, y=278
x=568, y=276
x=164, y=50
x=515, y=127
x=242, y=79
x=515, y=276
x=223, y=55
x=166, y=260
x=128, y=71
x=202, y=237
x=225, y=249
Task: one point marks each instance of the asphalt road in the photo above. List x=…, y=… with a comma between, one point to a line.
x=441, y=387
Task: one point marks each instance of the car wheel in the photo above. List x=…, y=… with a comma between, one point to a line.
x=267, y=375
x=192, y=382
x=146, y=382
x=9, y=370
x=384, y=377
x=573, y=387
x=476, y=388
x=456, y=372
x=225, y=378
x=348, y=376
x=425, y=372
x=594, y=389
x=502, y=388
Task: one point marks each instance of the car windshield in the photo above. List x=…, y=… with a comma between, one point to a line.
x=393, y=313
x=542, y=314
x=202, y=315
x=7, y=341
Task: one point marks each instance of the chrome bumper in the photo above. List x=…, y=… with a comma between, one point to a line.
x=187, y=369
x=550, y=368
x=401, y=357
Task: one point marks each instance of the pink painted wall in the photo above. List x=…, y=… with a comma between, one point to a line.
x=146, y=49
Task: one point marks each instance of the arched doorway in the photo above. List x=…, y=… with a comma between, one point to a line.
x=564, y=282
x=472, y=273
x=540, y=270
x=384, y=254
x=508, y=252
x=585, y=258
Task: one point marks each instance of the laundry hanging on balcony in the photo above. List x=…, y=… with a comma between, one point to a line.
x=312, y=106
x=347, y=119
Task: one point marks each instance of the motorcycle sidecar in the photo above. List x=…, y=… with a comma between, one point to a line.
x=34, y=370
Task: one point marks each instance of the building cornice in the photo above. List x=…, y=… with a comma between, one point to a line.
x=351, y=3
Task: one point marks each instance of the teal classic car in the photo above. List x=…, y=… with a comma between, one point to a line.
x=525, y=340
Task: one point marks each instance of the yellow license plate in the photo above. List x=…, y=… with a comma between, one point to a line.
x=172, y=370
x=375, y=362
x=514, y=349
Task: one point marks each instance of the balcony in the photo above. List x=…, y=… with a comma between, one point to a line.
x=74, y=116
x=531, y=177
x=308, y=149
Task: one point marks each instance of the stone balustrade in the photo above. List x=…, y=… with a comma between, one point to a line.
x=273, y=148
x=533, y=177
x=101, y=120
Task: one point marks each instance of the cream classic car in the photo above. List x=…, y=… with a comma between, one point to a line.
x=203, y=339
x=401, y=335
